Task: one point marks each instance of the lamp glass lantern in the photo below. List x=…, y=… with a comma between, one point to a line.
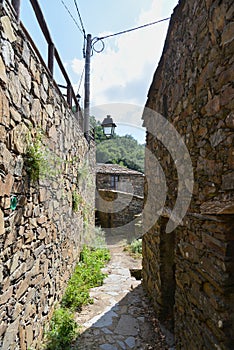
x=108, y=126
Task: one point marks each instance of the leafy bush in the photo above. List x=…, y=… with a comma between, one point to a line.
x=63, y=329
x=135, y=248
x=87, y=275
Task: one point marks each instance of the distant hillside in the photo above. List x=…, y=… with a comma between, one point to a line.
x=123, y=150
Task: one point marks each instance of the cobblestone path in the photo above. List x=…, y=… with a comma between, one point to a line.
x=120, y=318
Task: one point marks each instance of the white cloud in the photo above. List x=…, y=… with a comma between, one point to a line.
x=124, y=70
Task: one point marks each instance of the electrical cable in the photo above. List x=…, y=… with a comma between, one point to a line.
x=81, y=78
x=94, y=41
x=81, y=22
x=97, y=39
x=84, y=47
x=82, y=25
x=72, y=17
x=130, y=30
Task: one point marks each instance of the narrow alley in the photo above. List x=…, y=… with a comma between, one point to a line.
x=162, y=73
x=120, y=317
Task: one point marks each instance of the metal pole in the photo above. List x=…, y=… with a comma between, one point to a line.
x=87, y=88
x=16, y=5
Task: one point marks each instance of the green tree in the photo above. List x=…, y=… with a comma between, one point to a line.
x=122, y=150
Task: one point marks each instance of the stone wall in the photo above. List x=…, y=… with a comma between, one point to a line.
x=117, y=213
x=47, y=171
x=189, y=272
x=126, y=180
x=126, y=183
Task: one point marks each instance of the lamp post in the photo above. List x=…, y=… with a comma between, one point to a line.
x=108, y=126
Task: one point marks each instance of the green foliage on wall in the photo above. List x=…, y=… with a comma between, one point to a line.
x=85, y=177
x=35, y=157
x=77, y=200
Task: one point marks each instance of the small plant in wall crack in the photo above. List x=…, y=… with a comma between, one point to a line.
x=84, y=177
x=35, y=158
x=77, y=200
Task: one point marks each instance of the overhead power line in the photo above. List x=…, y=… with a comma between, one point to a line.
x=81, y=78
x=130, y=30
x=97, y=39
x=81, y=22
x=74, y=20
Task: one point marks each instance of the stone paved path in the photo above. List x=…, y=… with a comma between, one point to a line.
x=120, y=318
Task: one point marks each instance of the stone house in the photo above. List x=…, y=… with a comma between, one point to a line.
x=188, y=271
x=119, y=199
x=119, y=178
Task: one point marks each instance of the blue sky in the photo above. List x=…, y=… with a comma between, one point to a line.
x=123, y=72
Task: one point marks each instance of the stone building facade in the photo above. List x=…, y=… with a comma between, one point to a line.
x=43, y=159
x=189, y=273
x=119, y=200
x=119, y=178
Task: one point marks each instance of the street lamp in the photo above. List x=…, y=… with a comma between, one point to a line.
x=108, y=127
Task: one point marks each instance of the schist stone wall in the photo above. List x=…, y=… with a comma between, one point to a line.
x=119, y=213
x=119, y=200
x=189, y=273
x=126, y=180
x=40, y=239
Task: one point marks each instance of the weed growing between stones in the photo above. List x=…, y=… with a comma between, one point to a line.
x=87, y=275
x=135, y=248
x=85, y=178
x=77, y=199
x=40, y=161
x=35, y=158
x=63, y=329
